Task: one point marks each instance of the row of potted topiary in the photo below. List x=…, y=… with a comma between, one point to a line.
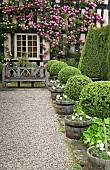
x=87, y=98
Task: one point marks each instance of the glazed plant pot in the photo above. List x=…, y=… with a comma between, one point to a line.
x=55, y=92
x=74, y=129
x=96, y=163
x=64, y=107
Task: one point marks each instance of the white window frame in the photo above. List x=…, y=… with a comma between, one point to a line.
x=27, y=34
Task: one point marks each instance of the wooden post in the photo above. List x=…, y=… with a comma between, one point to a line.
x=46, y=74
x=18, y=71
x=19, y=76
x=41, y=69
x=32, y=84
x=3, y=76
x=32, y=71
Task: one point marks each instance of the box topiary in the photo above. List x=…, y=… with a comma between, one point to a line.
x=103, y=42
x=75, y=85
x=90, y=64
x=95, y=101
x=66, y=72
x=1, y=67
x=49, y=63
x=108, y=57
x=56, y=67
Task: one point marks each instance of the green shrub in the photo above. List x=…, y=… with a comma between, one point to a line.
x=103, y=38
x=75, y=85
x=95, y=99
x=90, y=64
x=71, y=62
x=95, y=102
x=95, y=132
x=66, y=72
x=1, y=67
x=56, y=67
x=49, y=63
x=108, y=58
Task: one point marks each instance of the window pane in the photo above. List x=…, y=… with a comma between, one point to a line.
x=29, y=49
x=24, y=37
x=18, y=48
x=35, y=43
x=34, y=37
x=18, y=43
x=24, y=43
x=30, y=54
x=19, y=54
x=34, y=49
x=30, y=37
x=23, y=48
x=18, y=37
x=29, y=43
x=34, y=54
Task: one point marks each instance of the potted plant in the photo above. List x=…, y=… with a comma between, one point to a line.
x=95, y=101
x=48, y=65
x=52, y=83
x=56, y=67
x=56, y=89
x=76, y=123
x=67, y=72
x=64, y=105
x=73, y=89
x=74, y=86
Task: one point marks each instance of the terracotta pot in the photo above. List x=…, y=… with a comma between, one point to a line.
x=64, y=107
x=94, y=163
x=55, y=92
x=74, y=129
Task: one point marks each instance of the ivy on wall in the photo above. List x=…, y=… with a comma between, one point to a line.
x=60, y=24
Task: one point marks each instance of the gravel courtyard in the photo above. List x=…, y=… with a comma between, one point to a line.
x=29, y=135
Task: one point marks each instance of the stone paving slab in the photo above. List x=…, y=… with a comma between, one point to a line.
x=29, y=135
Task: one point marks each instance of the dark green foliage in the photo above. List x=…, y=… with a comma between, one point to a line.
x=49, y=63
x=75, y=85
x=66, y=72
x=56, y=67
x=108, y=57
x=73, y=60
x=1, y=67
x=95, y=132
x=103, y=43
x=89, y=63
x=95, y=58
x=95, y=99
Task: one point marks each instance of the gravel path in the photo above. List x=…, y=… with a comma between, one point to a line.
x=29, y=135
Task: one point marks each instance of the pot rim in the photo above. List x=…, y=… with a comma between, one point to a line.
x=56, y=90
x=77, y=123
x=65, y=102
x=93, y=157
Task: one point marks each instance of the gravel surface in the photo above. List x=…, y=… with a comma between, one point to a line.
x=29, y=135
